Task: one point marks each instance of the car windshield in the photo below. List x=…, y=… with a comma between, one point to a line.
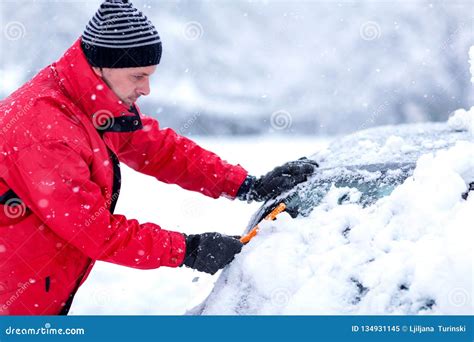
x=371, y=182
x=363, y=184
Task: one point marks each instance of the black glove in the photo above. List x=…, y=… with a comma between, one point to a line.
x=209, y=252
x=277, y=181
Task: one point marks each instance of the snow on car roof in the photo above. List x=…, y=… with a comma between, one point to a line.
x=389, y=144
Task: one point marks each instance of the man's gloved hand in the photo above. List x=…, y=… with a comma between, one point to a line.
x=277, y=181
x=209, y=252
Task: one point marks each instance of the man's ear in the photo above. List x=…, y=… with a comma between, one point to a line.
x=98, y=71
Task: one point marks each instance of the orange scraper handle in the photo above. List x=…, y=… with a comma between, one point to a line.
x=271, y=216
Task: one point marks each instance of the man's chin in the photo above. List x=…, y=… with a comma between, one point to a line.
x=127, y=102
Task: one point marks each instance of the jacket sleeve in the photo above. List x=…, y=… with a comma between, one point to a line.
x=54, y=182
x=172, y=158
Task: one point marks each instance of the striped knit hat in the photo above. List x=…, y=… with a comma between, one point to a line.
x=120, y=36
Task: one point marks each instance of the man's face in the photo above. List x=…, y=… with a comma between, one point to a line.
x=127, y=83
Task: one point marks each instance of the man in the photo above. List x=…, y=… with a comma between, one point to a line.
x=63, y=136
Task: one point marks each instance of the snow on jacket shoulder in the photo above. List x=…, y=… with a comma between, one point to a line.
x=63, y=135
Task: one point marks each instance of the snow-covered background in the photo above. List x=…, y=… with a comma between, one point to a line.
x=261, y=66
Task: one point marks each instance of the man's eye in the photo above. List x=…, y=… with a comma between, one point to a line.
x=137, y=77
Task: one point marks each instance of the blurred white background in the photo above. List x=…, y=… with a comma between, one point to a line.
x=274, y=67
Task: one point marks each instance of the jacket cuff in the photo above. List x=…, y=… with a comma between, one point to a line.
x=234, y=179
x=177, y=251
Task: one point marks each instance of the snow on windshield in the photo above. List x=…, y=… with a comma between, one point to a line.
x=409, y=253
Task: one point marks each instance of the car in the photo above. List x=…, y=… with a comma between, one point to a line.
x=373, y=161
x=361, y=169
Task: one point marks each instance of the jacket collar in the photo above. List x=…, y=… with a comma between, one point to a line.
x=92, y=95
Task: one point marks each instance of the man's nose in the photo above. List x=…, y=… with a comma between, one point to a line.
x=145, y=88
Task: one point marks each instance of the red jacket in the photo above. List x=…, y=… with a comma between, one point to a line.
x=59, y=182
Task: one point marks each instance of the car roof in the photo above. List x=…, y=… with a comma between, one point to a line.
x=389, y=144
